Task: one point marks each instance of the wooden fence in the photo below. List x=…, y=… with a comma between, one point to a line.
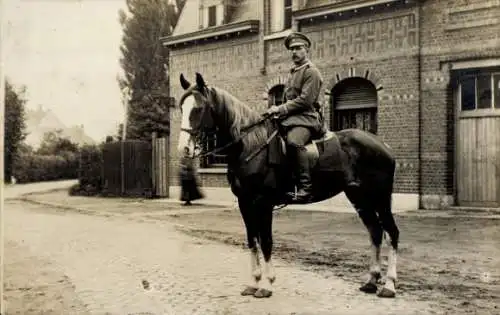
x=136, y=168
x=159, y=164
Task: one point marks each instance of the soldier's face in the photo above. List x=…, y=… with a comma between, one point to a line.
x=299, y=53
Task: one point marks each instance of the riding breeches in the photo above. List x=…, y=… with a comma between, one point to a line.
x=298, y=136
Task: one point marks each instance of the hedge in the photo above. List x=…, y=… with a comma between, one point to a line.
x=31, y=167
x=89, y=172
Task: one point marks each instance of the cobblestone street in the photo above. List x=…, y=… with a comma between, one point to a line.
x=106, y=259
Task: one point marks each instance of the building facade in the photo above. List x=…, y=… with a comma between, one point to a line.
x=424, y=75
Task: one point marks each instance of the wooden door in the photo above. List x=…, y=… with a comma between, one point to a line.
x=478, y=143
x=478, y=161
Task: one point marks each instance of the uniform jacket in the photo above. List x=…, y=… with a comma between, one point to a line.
x=303, y=97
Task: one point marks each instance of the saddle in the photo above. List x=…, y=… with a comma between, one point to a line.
x=324, y=151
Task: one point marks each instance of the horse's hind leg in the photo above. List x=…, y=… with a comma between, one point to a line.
x=266, y=245
x=389, y=225
x=252, y=234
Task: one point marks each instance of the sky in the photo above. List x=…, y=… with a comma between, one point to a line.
x=66, y=53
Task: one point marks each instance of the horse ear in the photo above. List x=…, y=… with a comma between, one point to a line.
x=184, y=83
x=200, y=81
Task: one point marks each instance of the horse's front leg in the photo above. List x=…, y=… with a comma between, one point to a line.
x=266, y=245
x=252, y=234
x=372, y=224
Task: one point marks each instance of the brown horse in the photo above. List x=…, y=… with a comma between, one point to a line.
x=259, y=175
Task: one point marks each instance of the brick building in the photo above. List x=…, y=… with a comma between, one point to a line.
x=423, y=75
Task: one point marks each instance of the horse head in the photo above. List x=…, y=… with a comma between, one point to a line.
x=209, y=109
x=197, y=110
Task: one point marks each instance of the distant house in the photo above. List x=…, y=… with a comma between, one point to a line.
x=424, y=75
x=40, y=120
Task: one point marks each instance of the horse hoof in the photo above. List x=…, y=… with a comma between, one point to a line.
x=263, y=293
x=386, y=293
x=368, y=288
x=249, y=291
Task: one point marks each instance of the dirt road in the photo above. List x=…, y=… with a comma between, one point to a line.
x=97, y=264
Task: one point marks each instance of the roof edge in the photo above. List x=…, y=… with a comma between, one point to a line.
x=225, y=29
x=337, y=7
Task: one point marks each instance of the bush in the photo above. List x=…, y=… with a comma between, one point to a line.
x=89, y=172
x=31, y=167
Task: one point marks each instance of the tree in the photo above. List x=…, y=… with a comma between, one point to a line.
x=54, y=143
x=144, y=62
x=14, y=128
x=119, y=132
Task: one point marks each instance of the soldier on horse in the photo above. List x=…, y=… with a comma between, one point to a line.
x=302, y=120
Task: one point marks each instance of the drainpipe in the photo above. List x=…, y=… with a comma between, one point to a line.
x=420, y=104
x=262, y=31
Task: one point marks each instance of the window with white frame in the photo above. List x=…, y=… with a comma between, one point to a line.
x=212, y=15
x=288, y=14
x=480, y=91
x=281, y=15
x=213, y=160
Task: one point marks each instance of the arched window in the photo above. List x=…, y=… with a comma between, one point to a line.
x=354, y=105
x=276, y=95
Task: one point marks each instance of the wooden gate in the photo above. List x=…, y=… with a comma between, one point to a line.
x=136, y=168
x=127, y=168
x=478, y=140
x=160, y=162
x=111, y=169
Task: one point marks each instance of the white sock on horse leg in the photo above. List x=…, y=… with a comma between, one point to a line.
x=255, y=265
x=375, y=268
x=269, y=275
x=391, y=268
x=391, y=265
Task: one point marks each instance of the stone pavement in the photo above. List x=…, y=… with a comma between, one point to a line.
x=14, y=191
x=224, y=197
x=107, y=258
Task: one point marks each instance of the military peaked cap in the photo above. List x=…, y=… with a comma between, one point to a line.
x=295, y=39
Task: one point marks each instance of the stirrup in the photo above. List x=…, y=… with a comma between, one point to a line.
x=353, y=183
x=294, y=196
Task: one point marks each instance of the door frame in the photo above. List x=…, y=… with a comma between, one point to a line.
x=458, y=115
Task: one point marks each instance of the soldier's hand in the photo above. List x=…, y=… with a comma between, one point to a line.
x=273, y=110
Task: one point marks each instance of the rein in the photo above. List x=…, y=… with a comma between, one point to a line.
x=245, y=130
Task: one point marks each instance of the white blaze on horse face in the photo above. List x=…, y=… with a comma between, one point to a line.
x=185, y=140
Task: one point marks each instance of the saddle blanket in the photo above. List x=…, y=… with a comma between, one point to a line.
x=325, y=153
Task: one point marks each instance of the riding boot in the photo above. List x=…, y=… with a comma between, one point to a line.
x=303, y=194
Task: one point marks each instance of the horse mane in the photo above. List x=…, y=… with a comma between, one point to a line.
x=238, y=115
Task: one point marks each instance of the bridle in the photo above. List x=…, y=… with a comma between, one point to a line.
x=244, y=131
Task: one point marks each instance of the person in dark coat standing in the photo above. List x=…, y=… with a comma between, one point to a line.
x=302, y=119
x=189, y=185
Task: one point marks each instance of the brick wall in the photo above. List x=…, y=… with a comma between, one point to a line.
x=403, y=50
x=385, y=44
x=232, y=65
x=451, y=30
